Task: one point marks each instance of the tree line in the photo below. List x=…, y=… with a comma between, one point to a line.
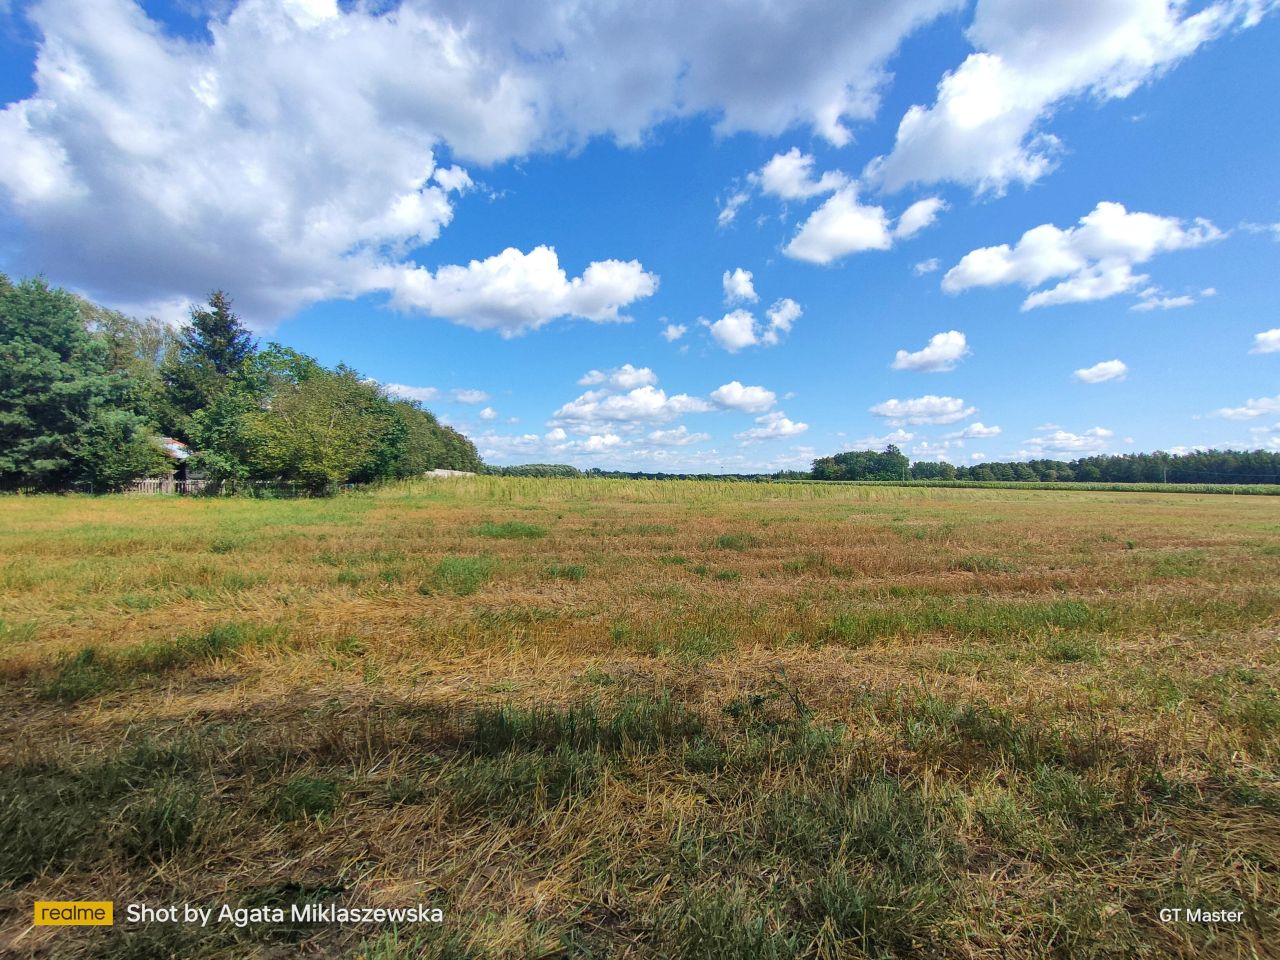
x=86, y=393
x=1204, y=466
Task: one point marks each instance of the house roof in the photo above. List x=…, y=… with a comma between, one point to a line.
x=174, y=448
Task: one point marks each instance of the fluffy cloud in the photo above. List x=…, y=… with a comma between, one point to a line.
x=453, y=179
x=772, y=426
x=625, y=377
x=919, y=215
x=470, y=396
x=942, y=353
x=738, y=287
x=926, y=266
x=515, y=292
x=739, y=329
x=842, y=224
x=1059, y=442
x=488, y=413
x=406, y=392
x=647, y=404
x=1257, y=407
x=149, y=169
x=734, y=396
x=1093, y=260
x=789, y=176
x=984, y=128
x=926, y=409
x=936, y=450
x=676, y=437
x=975, y=431
x=674, y=331
x=735, y=331
x=1102, y=372
x=1268, y=341
x=839, y=227
x=782, y=315
x=895, y=437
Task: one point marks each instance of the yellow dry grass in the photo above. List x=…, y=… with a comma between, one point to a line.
x=824, y=721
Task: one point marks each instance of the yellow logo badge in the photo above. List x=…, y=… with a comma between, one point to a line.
x=74, y=913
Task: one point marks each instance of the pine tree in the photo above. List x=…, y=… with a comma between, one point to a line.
x=211, y=353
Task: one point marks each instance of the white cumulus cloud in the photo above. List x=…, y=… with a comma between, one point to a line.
x=771, y=426
x=975, y=431
x=985, y=128
x=839, y=227
x=679, y=436
x=625, y=377
x=470, y=396
x=782, y=315
x=1102, y=372
x=406, y=392
x=942, y=353
x=514, y=292
x=1059, y=442
x=1268, y=341
x=919, y=215
x=1092, y=261
x=738, y=287
x=647, y=404
x=147, y=168
x=789, y=176
x=673, y=332
x=735, y=331
x=734, y=396
x=1255, y=407
x=927, y=409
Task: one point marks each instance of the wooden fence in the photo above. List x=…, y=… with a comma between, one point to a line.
x=167, y=485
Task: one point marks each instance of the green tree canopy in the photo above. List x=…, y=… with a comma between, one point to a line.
x=65, y=418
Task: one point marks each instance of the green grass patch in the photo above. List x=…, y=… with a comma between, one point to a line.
x=306, y=798
x=461, y=576
x=567, y=571
x=736, y=541
x=92, y=672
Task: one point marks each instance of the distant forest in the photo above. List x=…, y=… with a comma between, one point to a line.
x=87, y=394
x=1208, y=466
x=891, y=464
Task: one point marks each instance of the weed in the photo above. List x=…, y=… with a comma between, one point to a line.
x=1073, y=650
x=567, y=571
x=306, y=798
x=463, y=576
x=715, y=926
x=163, y=822
x=736, y=541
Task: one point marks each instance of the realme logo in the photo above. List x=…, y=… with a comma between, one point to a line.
x=71, y=913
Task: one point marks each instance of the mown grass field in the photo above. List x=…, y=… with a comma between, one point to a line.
x=647, y=719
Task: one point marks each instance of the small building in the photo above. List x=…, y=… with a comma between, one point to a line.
x=181, y=479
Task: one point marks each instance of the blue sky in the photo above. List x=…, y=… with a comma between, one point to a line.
x=979, y=230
